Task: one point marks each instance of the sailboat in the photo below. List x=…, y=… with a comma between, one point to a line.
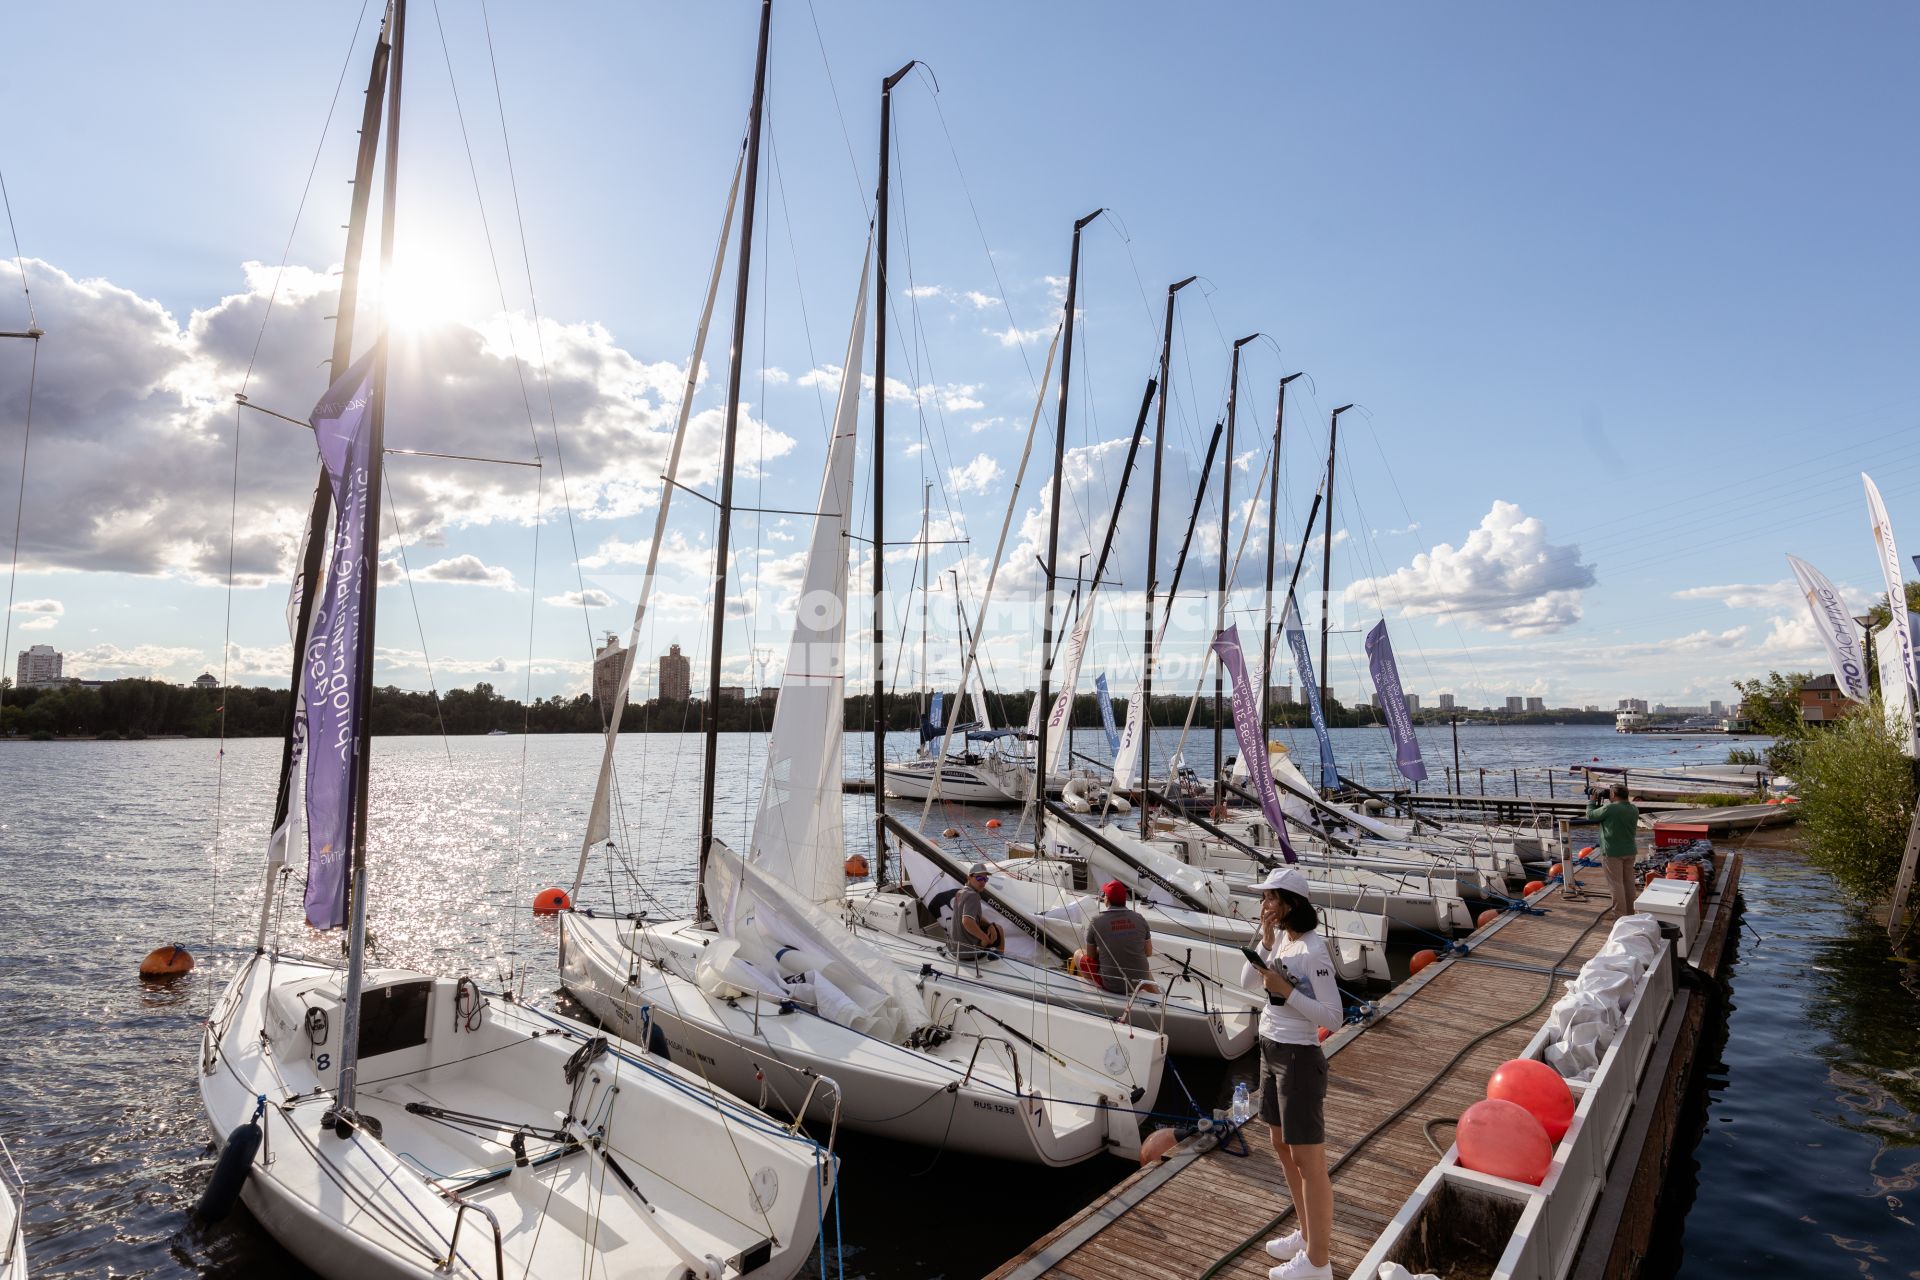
x=13, y=1238
x=766, y=987
x=381, y=1122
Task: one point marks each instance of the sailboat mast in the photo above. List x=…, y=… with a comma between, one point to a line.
x=1153, y=554
x=344, y=1115
x=314, y=545
x=881, y=298
x=1326, y=544
x=1220, y=605
x=1045, y=705
x=743, y=276
x=1273, y=531
x=926, y=552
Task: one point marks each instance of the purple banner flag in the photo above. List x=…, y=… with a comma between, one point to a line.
x=1393, y=701
x=330, y=668
x=1310, y=694
x=1247, y=728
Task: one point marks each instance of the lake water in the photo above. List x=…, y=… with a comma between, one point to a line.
x=110, y=849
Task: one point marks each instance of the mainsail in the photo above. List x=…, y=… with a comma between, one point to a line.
x=797, y=833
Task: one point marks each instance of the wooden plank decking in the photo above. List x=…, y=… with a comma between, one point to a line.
x=1175, y=1219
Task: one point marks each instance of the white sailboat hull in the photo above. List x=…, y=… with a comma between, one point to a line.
x=374, y=1208
x=985, y=780
x=984, y=1090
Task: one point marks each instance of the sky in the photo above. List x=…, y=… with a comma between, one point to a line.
x=1623, y=296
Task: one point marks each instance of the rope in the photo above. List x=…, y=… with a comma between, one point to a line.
x=1553, y=976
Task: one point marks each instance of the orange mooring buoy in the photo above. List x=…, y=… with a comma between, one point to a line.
x=1421, y=959
x=993, y=824
x=1486, y=917
x=551, y=902
x=166, y=963
x=1157, y=1145
x=1533, y=887
x=857, y=865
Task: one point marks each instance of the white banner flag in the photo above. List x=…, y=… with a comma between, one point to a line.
x=1907, y=695
x=1835, y=621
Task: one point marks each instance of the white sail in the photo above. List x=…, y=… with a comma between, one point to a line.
x=599, y=817
x=780, y=944
x=1902, y=694
x=1069, y=678
x=797, y=832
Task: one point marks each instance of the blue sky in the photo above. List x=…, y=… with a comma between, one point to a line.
x=1626, y=296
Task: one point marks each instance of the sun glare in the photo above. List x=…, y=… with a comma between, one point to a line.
x=425, y=292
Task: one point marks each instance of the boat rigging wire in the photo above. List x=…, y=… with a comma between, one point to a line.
x=406, y=570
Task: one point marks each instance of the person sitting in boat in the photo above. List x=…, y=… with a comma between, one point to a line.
x=974, y=935
x=1118, y=945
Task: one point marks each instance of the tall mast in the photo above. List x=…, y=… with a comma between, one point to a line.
x=926, y=552
x=1220, y=605
x=710, y=712
x=344, y=1114
x=881, y=298
x=1153, y=555
x=315, y=544
x=1273, y=532
x=1045, y=705
x=1326, y=545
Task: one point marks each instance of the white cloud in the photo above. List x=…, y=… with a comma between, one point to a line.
x=43, y=615
x=977, y=476
x=984, y=424
x=980, y=301
x=922, y=291
x=1739, y=595
x=1505, y=576
x=591, y=598
x=774, y=376
x=465, y=570
x=1014, y=336
x=111, y=662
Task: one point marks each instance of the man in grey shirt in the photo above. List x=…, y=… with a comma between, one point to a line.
x=1118, y=945
x=972, y=933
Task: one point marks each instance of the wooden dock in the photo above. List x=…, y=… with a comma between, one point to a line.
x=1176, y=1219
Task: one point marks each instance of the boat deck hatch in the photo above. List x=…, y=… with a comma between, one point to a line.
x=393, y=1018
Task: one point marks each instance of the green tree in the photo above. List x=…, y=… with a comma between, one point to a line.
x=1856, y=788
x=1772, y=706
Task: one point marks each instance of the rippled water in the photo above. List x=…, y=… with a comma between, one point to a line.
x=110, y=849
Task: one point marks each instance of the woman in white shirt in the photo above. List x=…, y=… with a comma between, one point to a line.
x=1302, y=998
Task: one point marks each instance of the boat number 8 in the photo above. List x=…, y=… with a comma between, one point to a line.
x=323, y=1062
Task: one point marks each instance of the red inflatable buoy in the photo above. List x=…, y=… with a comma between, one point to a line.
x=1533, y=887
x=1421, y=959
x=1530, y=1083
x=857, y=865
x=1324, y=1033
x=551, y=902
x=1586, y=851
x=993, y=824
x=1486, y=917
x=1503, y=1140
x=163, y=964
x=1157, y=1145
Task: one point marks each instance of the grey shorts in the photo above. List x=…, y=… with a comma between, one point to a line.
x=1293, y=1087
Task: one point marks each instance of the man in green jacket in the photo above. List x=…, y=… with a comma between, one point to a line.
x=1619, y=822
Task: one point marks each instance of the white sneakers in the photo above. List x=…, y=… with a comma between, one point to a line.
x=1298, y=1268
x=1286, y=1246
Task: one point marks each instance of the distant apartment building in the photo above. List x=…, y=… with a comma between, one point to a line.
x=1636, y=705
x=1281, y=695
x=1536, y=704
x=39, y=665
x=609, y=663
x=1373, y=700
x=733, y=693
x=676, y=676
x=1446, y=702
x=1716, y=708
x=1515, y=704
x=1413, y=702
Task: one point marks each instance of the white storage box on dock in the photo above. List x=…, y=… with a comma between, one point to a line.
x=1677, y=902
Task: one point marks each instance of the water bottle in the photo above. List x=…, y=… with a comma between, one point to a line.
x=1242, y=1103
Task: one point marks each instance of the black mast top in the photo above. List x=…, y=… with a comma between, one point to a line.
x=710, y=711
x=1053, y=517
x=1153, y=556
x=1220, y=606
x=879, y=481
x=1326, y=545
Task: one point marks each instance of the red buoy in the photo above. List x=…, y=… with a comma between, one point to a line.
x=164, y=964
x=993, y=824
x=1533, y=887
x=1530, y=1083
x=551, y=902
x=1586, y=851
x=1486, y=917
x=1502, y=1139
x=1421, y=959
x=1157, y=1145
x=1324, y=1033
x=857, y=865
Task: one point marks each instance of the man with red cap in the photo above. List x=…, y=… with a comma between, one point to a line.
x=1119, y=944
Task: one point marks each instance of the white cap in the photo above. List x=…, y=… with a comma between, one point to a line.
x=1292, y=879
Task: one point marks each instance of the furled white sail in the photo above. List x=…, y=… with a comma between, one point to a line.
x=797, y=832
x=776, y=942
x=599, y=817
x=1069, y=678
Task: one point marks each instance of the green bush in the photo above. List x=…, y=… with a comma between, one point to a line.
x=1743, y=755
x=1856, y=790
